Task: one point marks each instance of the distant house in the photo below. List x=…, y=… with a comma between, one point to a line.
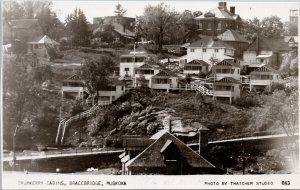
x=113, y=90
x=146, y=72
x=164, y=80
x=123, y=27
x=236, y=40
x=196, y=67
x=208, y=47
x=292, y=41
x=26, y=29
x=264, y=50
x=39, y=45
x=30, y=32
x=169, y=156
x=262, y=78
x=73, y=87
x=218, y=20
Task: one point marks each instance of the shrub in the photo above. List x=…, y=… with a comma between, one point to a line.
x=277, y=86
x=247, y=102
x=117, y=45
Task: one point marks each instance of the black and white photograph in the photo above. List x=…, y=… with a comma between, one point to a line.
x=102, y=94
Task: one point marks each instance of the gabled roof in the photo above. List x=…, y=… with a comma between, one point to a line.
x=74, y=78
x=227, y=80
x=197, y=62
x=153, y=155
x=150, y=66
x=119, y=29
x=228, y=62
x=42, y=40
x=232, y=35
x=208, y=42
x=268, y=44
x=165, y=72
x=264, y=68
x=219, y=13
x=23, y=23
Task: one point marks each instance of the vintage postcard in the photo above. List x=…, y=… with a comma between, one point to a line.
x=103, y=94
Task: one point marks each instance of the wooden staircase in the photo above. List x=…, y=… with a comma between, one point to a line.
x=64, y=123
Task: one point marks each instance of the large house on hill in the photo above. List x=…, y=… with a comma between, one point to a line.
x=218, y=20
x=208, y=47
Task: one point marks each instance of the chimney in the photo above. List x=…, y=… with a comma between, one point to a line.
x=170, y=125
x=222, y=5
x=203, y=141
x=232, y=10
x=257, y=43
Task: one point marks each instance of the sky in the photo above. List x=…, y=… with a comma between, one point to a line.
x=247, y=10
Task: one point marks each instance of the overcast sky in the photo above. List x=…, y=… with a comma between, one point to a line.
x=247, y=10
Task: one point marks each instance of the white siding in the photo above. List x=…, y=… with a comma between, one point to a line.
x=198, y=53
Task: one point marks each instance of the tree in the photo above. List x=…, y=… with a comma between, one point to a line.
x=154, y=23
x=189, y=24
x=272, y=26
x=95, y=72
x=77, y=27
x=269, y=27
x=119, y=10
x=280, y=110
x=251, y=28
x=21, y=99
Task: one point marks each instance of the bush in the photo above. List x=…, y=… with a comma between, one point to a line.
x=247, y=102
x=117, y=45
x=277, y=86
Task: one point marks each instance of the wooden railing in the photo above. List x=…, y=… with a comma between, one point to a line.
x=86, y=114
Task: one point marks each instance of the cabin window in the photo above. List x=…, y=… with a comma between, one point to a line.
x=219, y=26
x=122, y=88
x=204, y=49
x=238, y=71
x=126, y=69
x=209, y=26
x=216, y=50
x=192, y=50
